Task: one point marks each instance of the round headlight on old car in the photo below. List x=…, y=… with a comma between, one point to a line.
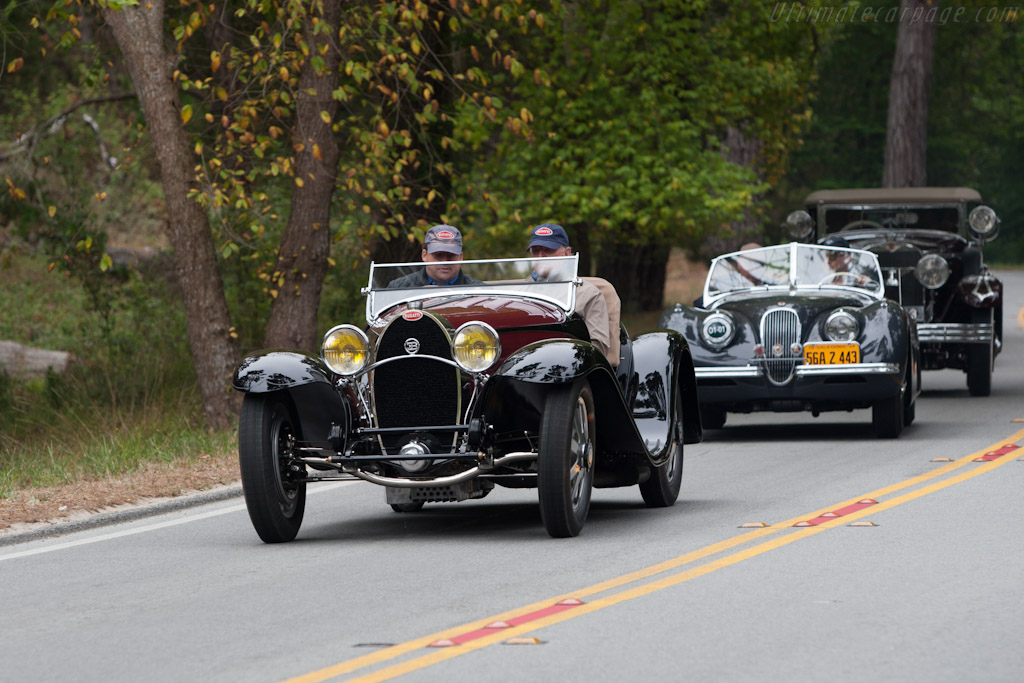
x=799, y=225
x=983, y=221
x=345, y=349
x=476, y=346
x=717, y=330
x=841, y=326
x=932, y=271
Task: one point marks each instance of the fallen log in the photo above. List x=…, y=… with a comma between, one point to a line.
x=25, y=362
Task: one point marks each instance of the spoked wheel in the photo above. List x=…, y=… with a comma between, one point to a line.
x=980, y=358
x=662, y=488
x=887, y=415
x=274, y=496
x=565, y=465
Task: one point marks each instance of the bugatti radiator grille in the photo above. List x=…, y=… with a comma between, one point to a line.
x=416, y=390
x=780, y=330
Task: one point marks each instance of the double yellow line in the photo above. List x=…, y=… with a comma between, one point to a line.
x=435, y=656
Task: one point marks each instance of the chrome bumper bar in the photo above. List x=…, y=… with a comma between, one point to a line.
x=404, y=483
x=749, y=371
x=959, y=333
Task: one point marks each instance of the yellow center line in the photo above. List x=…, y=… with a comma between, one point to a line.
x=357, y=663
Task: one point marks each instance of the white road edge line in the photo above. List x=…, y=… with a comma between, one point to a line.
x=154, y=527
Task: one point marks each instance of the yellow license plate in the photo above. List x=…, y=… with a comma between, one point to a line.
x=831, y=354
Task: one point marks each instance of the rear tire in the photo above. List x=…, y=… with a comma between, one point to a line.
x=662, y=488
x=266, y=436
x=565, y=464
x=407, y=507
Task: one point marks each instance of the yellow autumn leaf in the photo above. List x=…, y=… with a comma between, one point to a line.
x=199, y=147
x=15, y=65
x=298, y=181
x=316, y=153
x=325, y=117
x=382, y=128
x=51, y=210
x=186, y=113
x=214, y=61
x=18, y=193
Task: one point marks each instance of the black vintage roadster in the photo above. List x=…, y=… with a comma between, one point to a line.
x=449, y=391
x=929, y=243
x=799, y=327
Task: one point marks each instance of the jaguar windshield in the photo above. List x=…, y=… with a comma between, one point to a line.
x=799, y=266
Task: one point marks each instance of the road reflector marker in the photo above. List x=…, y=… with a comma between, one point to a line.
x=998, y=453
x=522, y=640
x=830, y=514
x=444, y=642
x=570, y=601
x=862, y=524
x=867, y=501
x=804, y=523
x=498, y=624
x=752, y=525
x=1018, y=419
x=942, y=459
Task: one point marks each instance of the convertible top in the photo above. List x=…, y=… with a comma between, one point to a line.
x=894, y=195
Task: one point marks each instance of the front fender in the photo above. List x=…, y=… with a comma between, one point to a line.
x=553, y=361
x=306, y=385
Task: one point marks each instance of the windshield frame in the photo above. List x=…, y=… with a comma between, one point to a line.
x=792, y=285
x=560, y=293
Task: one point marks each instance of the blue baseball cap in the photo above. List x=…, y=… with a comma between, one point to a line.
x=548, y=235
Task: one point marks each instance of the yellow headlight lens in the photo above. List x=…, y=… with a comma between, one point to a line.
x=345, y=349
x=476, y=347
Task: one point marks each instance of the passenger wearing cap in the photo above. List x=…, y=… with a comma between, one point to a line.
x=441, y=246
x=550, y=239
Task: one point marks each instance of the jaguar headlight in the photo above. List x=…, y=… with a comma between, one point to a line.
x=717, y=330
x=799, y=225
x=984, y=222
x=345, y=349
x=475, y=346
x=932, y=271
x=841, y=327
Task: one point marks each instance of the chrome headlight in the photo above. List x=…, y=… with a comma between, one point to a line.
x=476, y=346
x=345, y=349
x=841, y=327
x=932, y=271
x=984, y=222
x=799, y=225
x=717, y=330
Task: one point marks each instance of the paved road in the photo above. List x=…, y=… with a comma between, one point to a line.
x=931, y=592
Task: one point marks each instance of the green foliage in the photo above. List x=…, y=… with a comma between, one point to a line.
x=628, y=131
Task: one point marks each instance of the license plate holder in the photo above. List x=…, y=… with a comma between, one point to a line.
x=830, y=353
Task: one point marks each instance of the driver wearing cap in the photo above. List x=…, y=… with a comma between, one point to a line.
x=442, y=249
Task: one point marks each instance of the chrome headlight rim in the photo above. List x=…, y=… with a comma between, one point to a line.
x=799, y=224
x=932, y=271
x=984, y=222
x=717, y=343
x=345, y=370
x=841, y=326
x=461, y=362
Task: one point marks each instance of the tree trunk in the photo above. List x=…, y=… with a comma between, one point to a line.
x=305, y=246
x=139, y=33
x=907, y=128
x=638, y=273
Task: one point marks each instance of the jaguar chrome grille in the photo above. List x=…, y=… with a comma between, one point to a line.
x=417, y=390
x=780, y=329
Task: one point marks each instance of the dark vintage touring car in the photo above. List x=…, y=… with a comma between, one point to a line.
x=929, y=243
x=798, y=327
x=450, y=391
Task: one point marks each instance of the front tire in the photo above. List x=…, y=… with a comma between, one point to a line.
x=662, y=488
x=980, y=358
x=274, y=496
x=565, y=464
x=887, y=416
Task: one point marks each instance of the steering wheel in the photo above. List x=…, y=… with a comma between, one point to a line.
x=863, y=223
x=841, y=276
